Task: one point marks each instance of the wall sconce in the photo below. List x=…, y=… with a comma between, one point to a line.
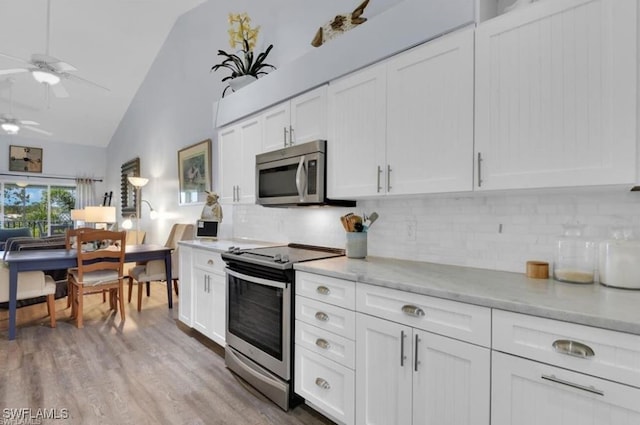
x=138, y=183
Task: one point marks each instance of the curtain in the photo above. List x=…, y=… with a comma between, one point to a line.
x=85, y=192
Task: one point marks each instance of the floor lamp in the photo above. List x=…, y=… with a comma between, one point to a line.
x=138, y=183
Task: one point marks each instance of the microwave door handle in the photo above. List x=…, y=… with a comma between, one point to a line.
x=301, y=179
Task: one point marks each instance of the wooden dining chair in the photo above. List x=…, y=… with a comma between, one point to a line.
x=70, y=243
x=100, y=267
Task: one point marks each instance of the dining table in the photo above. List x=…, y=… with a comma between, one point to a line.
x=56, y=259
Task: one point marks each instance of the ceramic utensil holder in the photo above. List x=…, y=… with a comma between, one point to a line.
x=356, y=244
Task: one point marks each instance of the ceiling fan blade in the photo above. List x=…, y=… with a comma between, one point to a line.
x=82, y=80
x=63, y=66
x=4, y=55
x=38, y=130
x=59, y=90
x=12, y=71
x=28, y=122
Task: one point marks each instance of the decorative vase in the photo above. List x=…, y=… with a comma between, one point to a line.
x=241, y=81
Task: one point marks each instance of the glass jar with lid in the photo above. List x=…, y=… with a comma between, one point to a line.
x=575, y=256
x=620, y=259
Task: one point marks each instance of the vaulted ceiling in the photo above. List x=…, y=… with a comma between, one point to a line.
x=111, y=42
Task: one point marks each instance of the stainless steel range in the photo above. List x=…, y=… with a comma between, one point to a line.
x=260, y=310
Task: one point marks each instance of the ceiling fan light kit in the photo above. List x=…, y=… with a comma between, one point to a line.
x=10, y=127
x=45, y=77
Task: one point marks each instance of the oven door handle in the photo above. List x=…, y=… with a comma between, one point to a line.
x=258, y=280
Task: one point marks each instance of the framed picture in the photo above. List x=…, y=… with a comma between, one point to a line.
x=194, y=172
x=128, y=201
x=25, y=159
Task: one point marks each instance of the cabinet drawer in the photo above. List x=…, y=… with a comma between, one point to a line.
x=462, y=321
x=327, y=344
x=208, y=260
x=326, y=316
x=327, y=289
x=327, y=386
x=594, y=351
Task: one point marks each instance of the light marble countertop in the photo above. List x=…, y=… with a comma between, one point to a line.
x=222, y=245
x=592, y=304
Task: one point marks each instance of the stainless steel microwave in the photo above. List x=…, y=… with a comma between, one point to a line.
x=294, y=176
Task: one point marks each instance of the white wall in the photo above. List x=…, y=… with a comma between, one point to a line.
x=58, y=159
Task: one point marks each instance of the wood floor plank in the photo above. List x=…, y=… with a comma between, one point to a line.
x=149, y=369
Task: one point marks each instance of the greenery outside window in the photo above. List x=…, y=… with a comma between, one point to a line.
x=45, y=209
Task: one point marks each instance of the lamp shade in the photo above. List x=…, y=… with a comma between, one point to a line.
x=100, y=214
x=77, y=215
x=138, y=181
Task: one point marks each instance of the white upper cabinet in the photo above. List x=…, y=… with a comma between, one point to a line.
x=357, y=127
x=430, y=117
x=299, y=120
x=238, y=144
x=556, y=95
x=405, y=126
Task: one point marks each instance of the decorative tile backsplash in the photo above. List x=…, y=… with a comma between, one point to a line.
x=499, y=231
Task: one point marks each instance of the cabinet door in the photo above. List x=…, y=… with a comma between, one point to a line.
x=219, y=308
x=357, y=125
x=451, y=381
x=309, y=116
x=525, y=392
x=384, y=361
x=185, y=310
x=202, y=301
x=430, y=117
x=251, y=139
x=556, y=95
x=230, y=150
x=276, y=127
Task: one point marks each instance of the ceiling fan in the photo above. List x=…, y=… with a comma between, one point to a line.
x=11, y=124
x=47, y=69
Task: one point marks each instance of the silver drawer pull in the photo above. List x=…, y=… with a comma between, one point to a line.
x=323, y=317
x=573, y=348
x=590, y=389
x=210, y=262
x=412, y=310
x=323, y=343
x=322, y=383
x=323, y=290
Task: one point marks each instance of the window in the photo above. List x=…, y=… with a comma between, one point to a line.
x=45, y=209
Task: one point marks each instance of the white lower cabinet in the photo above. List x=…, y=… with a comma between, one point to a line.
x=526, y=392
x=325, y=346
x=546, y=371
x=208, y=291
x=185, y=306
x=408, y=376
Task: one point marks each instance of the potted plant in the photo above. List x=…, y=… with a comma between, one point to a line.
x=245, y=66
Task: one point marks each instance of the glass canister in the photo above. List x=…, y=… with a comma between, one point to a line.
x=575, y=256
x=620, y=259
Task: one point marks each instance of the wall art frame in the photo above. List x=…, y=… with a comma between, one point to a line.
x=25, y=159
x=194, y=173
x=128, y=201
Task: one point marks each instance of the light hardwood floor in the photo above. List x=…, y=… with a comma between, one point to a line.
x=149, y=370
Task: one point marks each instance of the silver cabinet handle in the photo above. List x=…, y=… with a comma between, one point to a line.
x=479, y=169
x=322, y=383
x=323, y=317
x=379, y=174
x=285, y=136
x=590, y=389
x=573, y=348
x=238, y=193
x=323, y=290
x=291, y=143
x=234, y=193
x=415, y=358
x=323, y=343
x=389, y=178
x=412, y=310
x=402, y=356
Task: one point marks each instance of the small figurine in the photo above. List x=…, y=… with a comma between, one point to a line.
x=212, y=210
